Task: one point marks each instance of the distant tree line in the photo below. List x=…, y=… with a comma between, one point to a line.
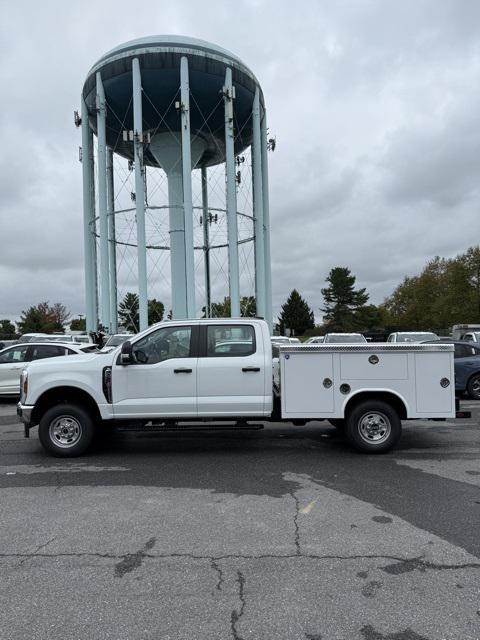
x=446, y=292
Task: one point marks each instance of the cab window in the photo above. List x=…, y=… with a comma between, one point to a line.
x=47, y=351
x=230, y=340
x=163, y=344
x=17, y=354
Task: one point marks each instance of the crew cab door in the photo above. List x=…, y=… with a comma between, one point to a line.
x=162, y=380
x=231, y=371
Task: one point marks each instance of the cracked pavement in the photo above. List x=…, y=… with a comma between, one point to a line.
x=278, y=534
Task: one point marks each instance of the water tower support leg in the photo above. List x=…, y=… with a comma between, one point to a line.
x=102, y=204
x=233, y=269
x=112, y=247
x=140, y=195
x=88, y=218
x=206, y=242
x=258, y=208
x=266, y=227
x=187, y=188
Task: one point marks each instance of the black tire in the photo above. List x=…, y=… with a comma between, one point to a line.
x=473, y=387
x=338, y=423
x=373, y=426
x=66, y=430
x=299, y=422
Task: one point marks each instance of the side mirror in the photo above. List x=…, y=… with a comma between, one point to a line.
x=126, y=356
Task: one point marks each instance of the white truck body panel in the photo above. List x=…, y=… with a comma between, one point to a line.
x=411, y=372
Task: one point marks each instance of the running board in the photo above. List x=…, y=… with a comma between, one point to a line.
x=163, y=428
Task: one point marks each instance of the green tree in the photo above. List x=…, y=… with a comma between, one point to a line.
x=60, y=316
x=446, y=292
x=248, y=308
x=156, y=311
x=37, y=319
x=7, y=330
x=342, y=302
x=296, y=315
x=78, y=324
x=129, y=314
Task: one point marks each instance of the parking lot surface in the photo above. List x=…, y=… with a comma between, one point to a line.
x=281, y=533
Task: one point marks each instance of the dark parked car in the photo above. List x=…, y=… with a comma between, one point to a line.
x=467, y=366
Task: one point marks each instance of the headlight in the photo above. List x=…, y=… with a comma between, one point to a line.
x=23, y=385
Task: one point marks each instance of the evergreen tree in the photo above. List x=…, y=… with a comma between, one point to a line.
x=342, y=302
x=296, y=315
x=37, y=319
x=7, y=330
x=129, y=312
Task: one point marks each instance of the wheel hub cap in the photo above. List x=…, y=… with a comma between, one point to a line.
x=65, y=431
x=374, y=427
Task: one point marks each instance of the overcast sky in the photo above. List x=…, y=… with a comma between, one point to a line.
x=374, y=104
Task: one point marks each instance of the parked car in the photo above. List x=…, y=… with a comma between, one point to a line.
x=345, y=338
x=471, y=336
x=412, y=336
x=315, y=340
x=115, y=340
x=13, y=359
x=31, y=337
x=467, y=366
x=284, y=340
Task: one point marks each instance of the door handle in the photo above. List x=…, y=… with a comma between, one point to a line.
x=247, y=369
x=182, y=371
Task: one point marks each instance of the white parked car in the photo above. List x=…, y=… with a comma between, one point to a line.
x=116, y=340
x=412, y=336
x=31, y=337
x=344, y=338
x=14, y=358
x=284, y=340
x=315, y=340
x=471, y=336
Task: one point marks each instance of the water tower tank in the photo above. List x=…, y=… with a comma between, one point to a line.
x=173, y=106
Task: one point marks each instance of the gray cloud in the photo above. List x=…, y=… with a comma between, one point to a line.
x=374, y=106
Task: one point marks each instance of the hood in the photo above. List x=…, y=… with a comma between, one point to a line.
x=66, y=362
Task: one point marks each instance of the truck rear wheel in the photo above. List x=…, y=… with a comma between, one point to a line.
x=373, y=426
x=66, y=430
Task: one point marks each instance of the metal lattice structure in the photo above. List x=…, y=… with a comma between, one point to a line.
x=175, y=176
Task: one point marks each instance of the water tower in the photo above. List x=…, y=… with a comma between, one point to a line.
x=173, y=129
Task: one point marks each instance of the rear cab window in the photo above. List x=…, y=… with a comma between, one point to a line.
x=230, y=340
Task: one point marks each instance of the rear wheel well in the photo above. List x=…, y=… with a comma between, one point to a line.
x=390, y=398
x=61, y=395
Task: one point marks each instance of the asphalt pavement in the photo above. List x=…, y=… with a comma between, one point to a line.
x=281, y=533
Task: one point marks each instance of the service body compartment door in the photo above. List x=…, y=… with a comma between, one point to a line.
x=432, y=370
x=307, y=384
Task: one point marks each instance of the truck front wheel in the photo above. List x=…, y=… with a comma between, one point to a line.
x=373, y=426
x=66, y=430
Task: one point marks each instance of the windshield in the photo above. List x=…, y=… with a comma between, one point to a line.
x=416, y=337
x=345, y=339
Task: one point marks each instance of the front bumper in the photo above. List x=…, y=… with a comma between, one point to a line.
x=24, y=412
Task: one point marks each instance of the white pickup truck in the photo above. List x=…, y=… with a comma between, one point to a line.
x=214, y=369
